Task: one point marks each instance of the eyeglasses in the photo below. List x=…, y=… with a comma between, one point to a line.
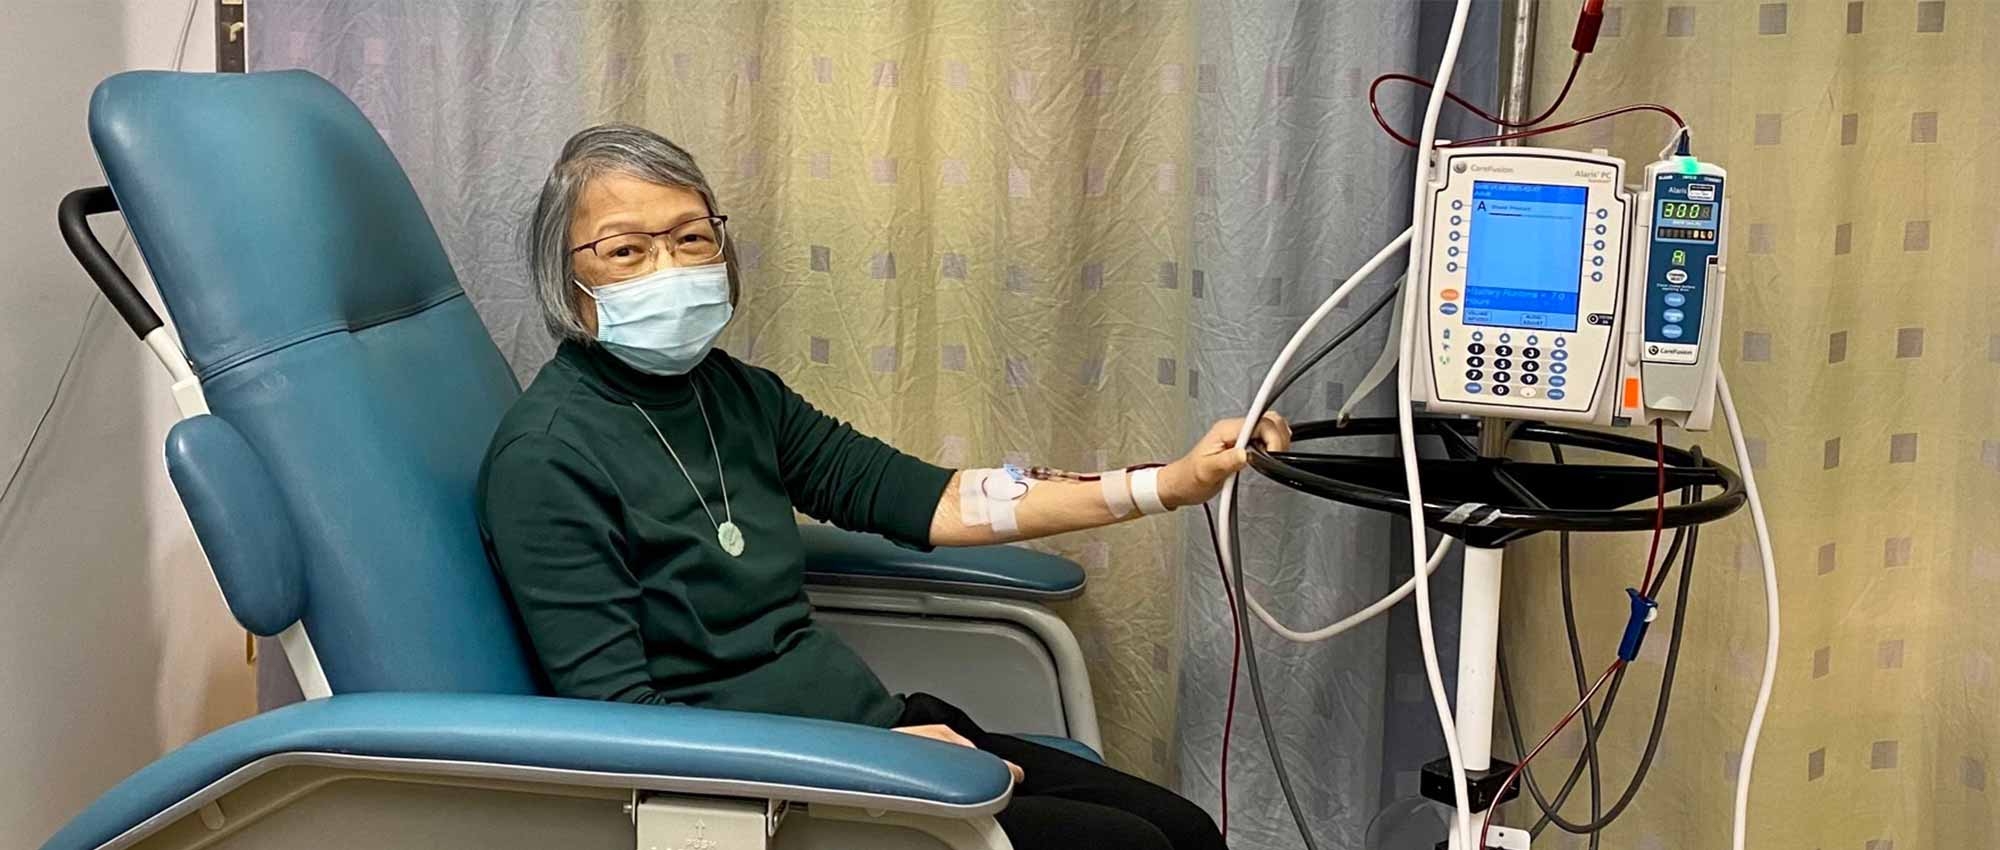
x=694, y=242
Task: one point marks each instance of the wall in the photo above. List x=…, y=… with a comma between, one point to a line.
x=114, y=646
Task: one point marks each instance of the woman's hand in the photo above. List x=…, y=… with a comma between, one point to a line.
x=941, y=732
x=1200, y=474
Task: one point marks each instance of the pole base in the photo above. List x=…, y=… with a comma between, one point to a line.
x=1481, y=786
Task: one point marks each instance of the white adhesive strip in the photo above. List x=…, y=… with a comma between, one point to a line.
x=1146, y=491
x=1004, y=523
x=1463, y=512
x=971, y=504
x=991, y=496
x=1116, y=489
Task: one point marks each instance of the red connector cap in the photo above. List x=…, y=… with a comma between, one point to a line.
x=1587, y=25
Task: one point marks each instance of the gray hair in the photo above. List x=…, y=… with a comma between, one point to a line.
x=606, y=148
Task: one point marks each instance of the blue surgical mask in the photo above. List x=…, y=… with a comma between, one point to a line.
x=666, y=322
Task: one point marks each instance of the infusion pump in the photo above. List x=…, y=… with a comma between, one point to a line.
x=1553, y=292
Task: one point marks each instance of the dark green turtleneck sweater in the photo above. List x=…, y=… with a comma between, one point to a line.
x=615, y=568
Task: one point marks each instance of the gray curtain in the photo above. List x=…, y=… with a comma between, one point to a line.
x=474, y=97
x=1296, y=187
x=1307, y=188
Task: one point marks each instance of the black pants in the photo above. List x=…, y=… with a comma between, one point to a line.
x=1069, y=802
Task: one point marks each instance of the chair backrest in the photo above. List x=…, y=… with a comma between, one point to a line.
x=321, y=314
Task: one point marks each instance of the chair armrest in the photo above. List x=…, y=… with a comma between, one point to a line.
x=846, y=559
x=233, y=503
x=661, y=748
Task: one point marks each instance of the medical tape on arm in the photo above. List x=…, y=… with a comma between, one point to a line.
x=991, y=496
x=1146, y=491
x=971, y=505
x=1116, y=489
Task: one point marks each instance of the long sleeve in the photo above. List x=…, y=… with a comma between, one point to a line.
x=547, y=513
x=837, y=474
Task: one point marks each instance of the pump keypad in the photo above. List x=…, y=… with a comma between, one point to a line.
x=1520, y=371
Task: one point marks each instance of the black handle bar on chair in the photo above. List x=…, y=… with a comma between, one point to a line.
x=72, y=216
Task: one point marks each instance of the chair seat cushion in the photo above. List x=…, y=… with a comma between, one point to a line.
x=667, y=748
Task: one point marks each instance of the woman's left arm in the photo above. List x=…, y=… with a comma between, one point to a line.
x=1058, y=506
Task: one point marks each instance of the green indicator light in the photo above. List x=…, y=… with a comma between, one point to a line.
x=1690, y=165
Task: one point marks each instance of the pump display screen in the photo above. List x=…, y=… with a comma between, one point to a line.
x=1524, y=255
x=1686, y=221
x=1686, y=210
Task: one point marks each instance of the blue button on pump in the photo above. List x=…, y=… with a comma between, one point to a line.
x=1558, y=368
x=1559, y=354
x=1557, y=380
x=1671, y=331
x=1555, y=395
x=1675, y=299
x=1448, y=309
x=1672, y=316
x=1472, y=388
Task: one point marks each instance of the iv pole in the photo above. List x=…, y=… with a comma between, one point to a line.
x=1479, y=605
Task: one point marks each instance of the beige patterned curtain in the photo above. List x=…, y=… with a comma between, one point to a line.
x=1864, y=348
x=966, y=228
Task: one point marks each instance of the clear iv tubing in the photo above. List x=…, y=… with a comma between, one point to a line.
x=1261, y=403
x=1406, y=428
x=1405, y=425
x=1358, y=617
x=1771, y=624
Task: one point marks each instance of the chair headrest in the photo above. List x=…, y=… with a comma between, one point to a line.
x=267, y=207
x=358, y=386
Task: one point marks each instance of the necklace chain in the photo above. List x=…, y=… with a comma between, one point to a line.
x=728, y=515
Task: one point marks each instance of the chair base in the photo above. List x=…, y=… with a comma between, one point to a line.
x=304, y=807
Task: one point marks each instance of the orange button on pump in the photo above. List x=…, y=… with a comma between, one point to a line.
x=1449, y=295
x=1631, y=392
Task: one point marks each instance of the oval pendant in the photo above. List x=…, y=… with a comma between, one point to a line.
x=730, y=537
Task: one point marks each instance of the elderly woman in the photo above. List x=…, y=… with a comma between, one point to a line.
x=638, y=499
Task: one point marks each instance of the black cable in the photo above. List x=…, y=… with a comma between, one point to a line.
x=1611, y=697
x=1590, y=756
x=28, y=450
x=1236, y=557
x=1250, y=663
x=1659, y=720
x=1388, y=296
x=1655, y=736
x=83, y=333
x=1591, y=731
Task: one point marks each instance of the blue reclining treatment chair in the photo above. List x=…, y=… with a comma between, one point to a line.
x=352, y=392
